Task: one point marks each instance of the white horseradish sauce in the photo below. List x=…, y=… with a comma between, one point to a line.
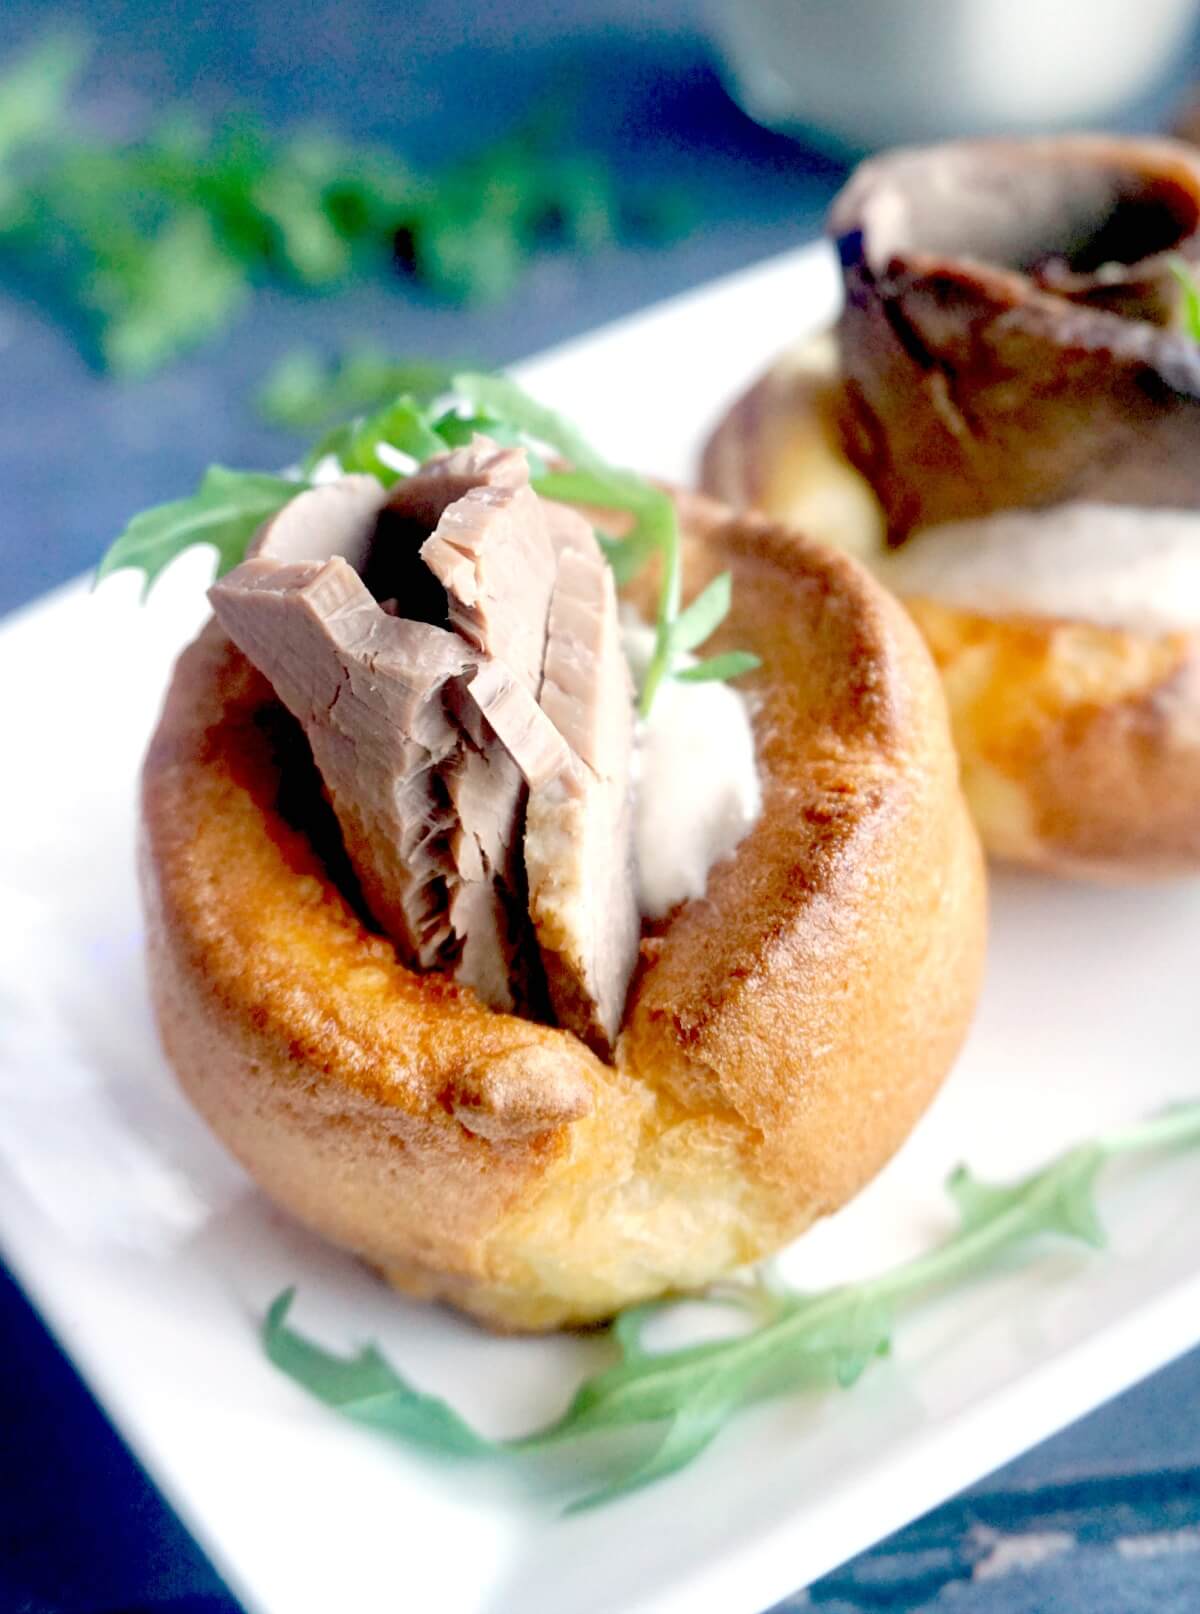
x=1113, y=565
x=696, y=785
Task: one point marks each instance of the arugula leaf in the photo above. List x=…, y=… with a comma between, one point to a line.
x=335, y=442
x=456, y=430
x=175, y=289
x=401, y=425
x=306, y=242
x=471, y=239
x=1063, y=1201
x=303, y=391
x=229, y=506
x=662, y=661
x=500, y=396
x=655, y=1385
x=686, y=1436
x=655, y=531
x=605, y=487
x=136, y=227
x=724, y=667
x=581, y=201
x=685, y=1396
x=366, y=191
x=366, y=1389
x=225, y=511
x=863, y=1334
x=34, y=90
x=704, y=615
x=418, y=425
x=1184, y=274
x=467, y=257
x=651, y=532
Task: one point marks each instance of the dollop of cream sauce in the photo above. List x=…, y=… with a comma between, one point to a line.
x=1117, y=566
x=696, y=785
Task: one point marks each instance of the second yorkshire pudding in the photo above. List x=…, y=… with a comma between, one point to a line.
x=783, y=1032
x=1005, y=425
x=1079, y=738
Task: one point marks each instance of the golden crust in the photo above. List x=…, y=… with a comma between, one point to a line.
x=779, y=449
x=1079, y=744
x=783, y=1033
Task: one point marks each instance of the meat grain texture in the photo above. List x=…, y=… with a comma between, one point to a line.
x=430, y=735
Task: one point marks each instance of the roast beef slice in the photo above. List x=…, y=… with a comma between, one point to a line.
x=1011, y=334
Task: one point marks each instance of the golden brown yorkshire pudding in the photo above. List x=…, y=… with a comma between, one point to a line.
x=1079, y=740
x=782, y=1035
x=1001, y=407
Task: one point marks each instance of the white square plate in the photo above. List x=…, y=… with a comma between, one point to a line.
x=153, y=1258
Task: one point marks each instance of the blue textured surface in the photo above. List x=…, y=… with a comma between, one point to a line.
x=1102, y=1520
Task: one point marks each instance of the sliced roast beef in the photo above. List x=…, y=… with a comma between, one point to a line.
x=492, y=554
x=339, y=518
x=520, y=722
x=579, y=823
x=413, y=507
x=368, y=690
x=1012, y=331
x=422, y=498
x=486, y=900
x=430, y=802
x=478, y=760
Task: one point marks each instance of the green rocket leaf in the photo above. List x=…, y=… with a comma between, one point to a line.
x=679, y=1400
x=225, y=512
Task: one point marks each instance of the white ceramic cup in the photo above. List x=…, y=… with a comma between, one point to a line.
x=873, y=73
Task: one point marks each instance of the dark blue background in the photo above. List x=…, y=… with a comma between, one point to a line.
x=1114, y=1505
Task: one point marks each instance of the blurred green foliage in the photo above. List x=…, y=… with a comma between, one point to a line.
x=160, y=240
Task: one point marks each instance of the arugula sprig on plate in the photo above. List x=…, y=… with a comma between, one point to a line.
x=674, y=1402
x=440, y=410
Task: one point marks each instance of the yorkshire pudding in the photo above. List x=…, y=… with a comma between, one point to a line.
x=782, y=1035
x=1079, y=740
x=1004, y=425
